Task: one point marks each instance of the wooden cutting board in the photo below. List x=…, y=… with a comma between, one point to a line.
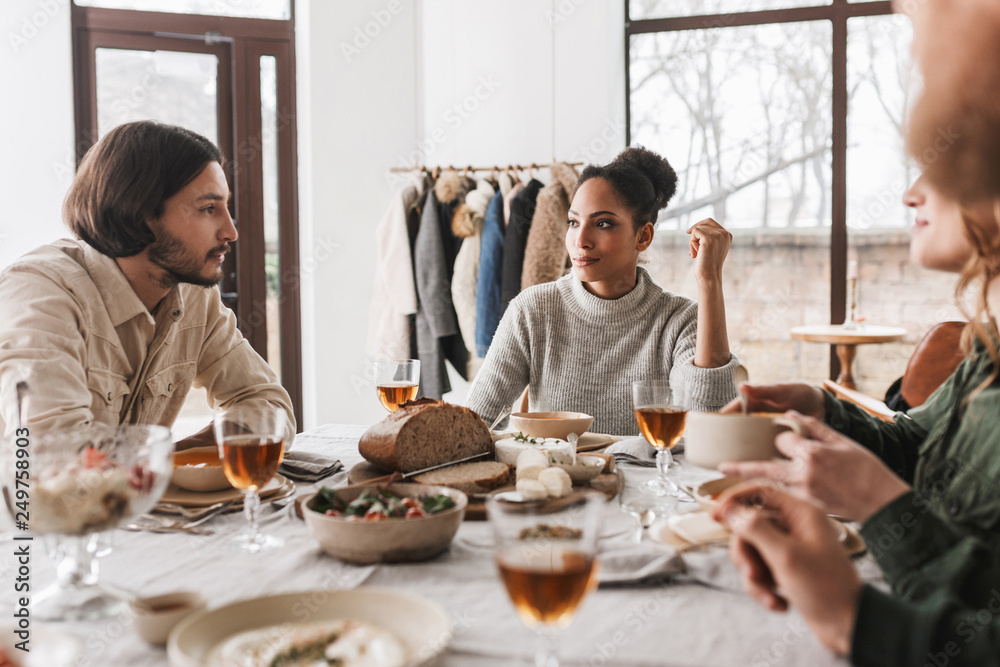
x=606, y=483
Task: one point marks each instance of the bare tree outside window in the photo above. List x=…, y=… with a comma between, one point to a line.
x=744, y=110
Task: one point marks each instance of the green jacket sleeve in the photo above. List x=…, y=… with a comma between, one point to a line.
x=922, y=554
x=941, y=631
x=895, y=443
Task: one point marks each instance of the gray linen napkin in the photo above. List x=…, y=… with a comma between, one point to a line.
x=633, y=451
x=648, y=563
x=308, y=467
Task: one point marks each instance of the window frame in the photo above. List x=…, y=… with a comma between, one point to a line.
x=240, y=42
x=838, y=12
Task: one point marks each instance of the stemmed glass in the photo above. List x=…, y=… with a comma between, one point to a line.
x=251, y=443
x=660, y=411
x=83, y=481
x=546, y=554
x=642, y=505
x=396, y=382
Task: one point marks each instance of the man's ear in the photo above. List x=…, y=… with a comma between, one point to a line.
x=645, y=236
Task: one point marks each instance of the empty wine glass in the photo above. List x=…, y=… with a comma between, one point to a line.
x=546, y=554
x=251, y=442
x=660, y=411
x=396, y=382
x=84, y=481
x=641, y=504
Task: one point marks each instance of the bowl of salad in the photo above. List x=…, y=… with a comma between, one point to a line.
x=398, y=523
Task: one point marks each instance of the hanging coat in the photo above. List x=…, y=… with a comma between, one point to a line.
x=394, y=294
x=545, y=255
x=490, y=273
x=468, y=223
x=438, y=336
x=522, y=209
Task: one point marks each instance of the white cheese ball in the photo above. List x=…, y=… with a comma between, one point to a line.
x=531, y=489
x=556, y=481
x=532, y=457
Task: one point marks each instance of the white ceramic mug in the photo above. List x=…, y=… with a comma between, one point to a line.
x=713, y=437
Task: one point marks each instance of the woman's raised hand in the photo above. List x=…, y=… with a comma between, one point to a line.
x=799, y=396
x=830, y=469
x=709, y=245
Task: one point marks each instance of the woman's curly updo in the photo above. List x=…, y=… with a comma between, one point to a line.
x=643, y=180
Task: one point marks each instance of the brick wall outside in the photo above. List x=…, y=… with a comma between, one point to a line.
x=778, y=279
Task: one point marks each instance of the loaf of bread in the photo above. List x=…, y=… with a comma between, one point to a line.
x=425, y=433
x=472, y=477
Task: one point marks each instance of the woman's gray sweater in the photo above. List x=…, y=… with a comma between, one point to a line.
x=579, y=352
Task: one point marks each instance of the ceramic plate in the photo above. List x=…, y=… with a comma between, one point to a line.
x=422, y=626
x=279, y=484
x=847, y=534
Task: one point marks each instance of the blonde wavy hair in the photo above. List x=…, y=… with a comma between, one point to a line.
x=982, y=228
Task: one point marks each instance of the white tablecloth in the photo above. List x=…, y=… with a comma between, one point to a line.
x=666, y=624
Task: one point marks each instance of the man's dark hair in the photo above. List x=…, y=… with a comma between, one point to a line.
x=643, y=180
x=125, y=179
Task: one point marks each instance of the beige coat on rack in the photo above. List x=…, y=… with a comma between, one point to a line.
x=394, y=294
x=545, y=254
x=468, y=223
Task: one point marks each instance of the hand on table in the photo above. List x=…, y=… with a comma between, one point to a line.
x=787, y=552
x=840, y=475
x=798, y=396
x=709, y=244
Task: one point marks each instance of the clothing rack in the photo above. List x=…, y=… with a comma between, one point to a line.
x=518, y=167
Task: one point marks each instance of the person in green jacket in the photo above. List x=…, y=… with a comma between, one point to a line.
x=938, y=463
x=936, y=540
x=791, y=556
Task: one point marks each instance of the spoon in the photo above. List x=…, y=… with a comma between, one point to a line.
x=503, y=415
x=744, y=407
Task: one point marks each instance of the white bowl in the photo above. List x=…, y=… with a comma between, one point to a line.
x=154, y=617
x=551, y=424
x=585, y=469
x=203, y=477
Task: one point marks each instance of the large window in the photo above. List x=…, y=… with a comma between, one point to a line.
x=784, y=121
x=227, y=71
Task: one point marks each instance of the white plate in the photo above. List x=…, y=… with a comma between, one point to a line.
x=179, y=496
x=422, y=626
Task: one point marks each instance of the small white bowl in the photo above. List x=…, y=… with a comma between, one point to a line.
x=203, y=477
x=551, y=424
x=585, y=469
x=154, y=617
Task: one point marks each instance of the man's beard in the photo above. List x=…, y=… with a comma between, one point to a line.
x=181, y=266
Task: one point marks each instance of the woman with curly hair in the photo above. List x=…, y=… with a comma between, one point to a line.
x=578, y=343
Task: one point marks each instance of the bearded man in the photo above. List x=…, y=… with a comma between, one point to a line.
x=117, y=325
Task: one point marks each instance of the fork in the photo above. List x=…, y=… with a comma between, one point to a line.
x=192, y=512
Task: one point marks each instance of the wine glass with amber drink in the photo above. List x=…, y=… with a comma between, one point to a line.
x=396, y=382
x=546, y=556
x=251, y=444
x=660, y=411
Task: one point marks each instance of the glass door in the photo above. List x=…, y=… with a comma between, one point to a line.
x=226, y=79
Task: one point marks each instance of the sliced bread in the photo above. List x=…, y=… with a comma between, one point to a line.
x=425, y=433
x=473, y=477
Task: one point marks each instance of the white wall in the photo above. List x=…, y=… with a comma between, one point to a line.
x=556, y=79
x=497, y=82
x=356, y=117
x=36, y=123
